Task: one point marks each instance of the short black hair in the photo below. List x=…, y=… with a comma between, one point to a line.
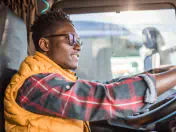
x=45, y=23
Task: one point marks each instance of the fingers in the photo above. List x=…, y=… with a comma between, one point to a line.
x=163, y=68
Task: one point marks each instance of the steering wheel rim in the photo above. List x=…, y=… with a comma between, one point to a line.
x=164, y=108
x=159, y=111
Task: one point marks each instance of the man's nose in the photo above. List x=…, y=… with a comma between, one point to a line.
x=77, y=47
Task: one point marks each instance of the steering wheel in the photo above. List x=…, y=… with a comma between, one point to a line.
x=162, y=111
x=156, y=113
x=159, y=112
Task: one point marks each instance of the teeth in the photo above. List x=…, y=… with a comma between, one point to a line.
x=76, y=55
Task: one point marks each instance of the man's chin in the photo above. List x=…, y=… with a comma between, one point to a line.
x=73, y=67
x=70, y=67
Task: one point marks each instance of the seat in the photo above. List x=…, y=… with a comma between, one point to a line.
x=13, y=49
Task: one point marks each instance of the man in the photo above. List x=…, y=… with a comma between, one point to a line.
x=45, y=95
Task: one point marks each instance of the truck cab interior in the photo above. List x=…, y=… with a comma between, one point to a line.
x=120, y=37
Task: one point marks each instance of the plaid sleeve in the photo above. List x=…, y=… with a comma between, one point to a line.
x=51, y=94
x=151, y=76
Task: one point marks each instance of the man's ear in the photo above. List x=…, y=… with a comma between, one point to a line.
x=44, y=44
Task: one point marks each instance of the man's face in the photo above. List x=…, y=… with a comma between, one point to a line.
x=60, y=51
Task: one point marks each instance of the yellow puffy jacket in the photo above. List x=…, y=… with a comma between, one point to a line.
x=18, y=119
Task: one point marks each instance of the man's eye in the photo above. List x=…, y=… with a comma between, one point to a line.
x=64, y=38
x=67, y=38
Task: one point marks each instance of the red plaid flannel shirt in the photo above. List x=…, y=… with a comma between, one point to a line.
x=51, y=94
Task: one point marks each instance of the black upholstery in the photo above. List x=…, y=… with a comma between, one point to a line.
x=13, y=49
x=4, y=81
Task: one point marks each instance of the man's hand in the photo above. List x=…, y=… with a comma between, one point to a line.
x=166, y=80
x=161, y=69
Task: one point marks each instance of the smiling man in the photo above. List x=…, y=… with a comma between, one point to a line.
x=55, y=48
x=46, y=96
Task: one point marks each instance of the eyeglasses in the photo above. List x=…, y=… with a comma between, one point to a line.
x=71, y=37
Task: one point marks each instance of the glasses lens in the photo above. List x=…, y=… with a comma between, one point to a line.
x=71, y=39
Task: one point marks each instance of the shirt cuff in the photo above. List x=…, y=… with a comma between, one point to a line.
x=151, y=93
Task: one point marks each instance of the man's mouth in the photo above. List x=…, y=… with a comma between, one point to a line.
x=76, y=56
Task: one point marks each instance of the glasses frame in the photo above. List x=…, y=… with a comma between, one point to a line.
x=72, y=42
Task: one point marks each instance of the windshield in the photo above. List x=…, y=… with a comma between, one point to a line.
x=125, y=43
